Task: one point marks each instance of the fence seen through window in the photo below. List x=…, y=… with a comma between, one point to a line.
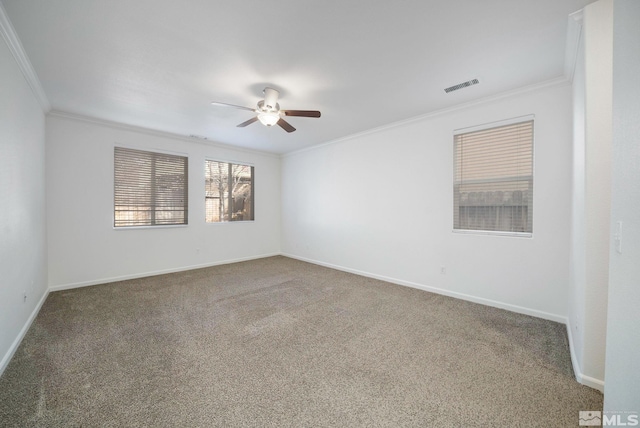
x=493, y=179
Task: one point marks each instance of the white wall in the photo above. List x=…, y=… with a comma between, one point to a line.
x=22, y=204
x=83, y=246
x=381, y=204
x=576, y=305
x=622, y=390
x=591, y=194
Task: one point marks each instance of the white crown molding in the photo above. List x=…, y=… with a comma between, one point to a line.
x=153, y=132
x=574, y=34
x=560, y=81
x=13, y=42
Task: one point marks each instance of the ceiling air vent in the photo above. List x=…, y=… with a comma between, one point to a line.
x=461, y=85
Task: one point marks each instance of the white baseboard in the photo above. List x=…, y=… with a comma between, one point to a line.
x=154, y=273
x=572, y=351
x=580, y=377
x=577, y=370
x=488, y=302
x=16, y=343
x=591, y=382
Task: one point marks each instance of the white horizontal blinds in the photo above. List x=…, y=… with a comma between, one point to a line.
x=228, y=192
x=493, y=182
x=150, y=188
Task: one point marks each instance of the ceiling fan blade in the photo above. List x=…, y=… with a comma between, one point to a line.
x=286, y=125
x=247, y=122
x=303, y=113
x=231, y=105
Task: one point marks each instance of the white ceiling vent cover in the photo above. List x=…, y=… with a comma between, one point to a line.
x=461, y=85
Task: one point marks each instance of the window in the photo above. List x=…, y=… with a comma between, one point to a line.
x=228, y=192
x=150, y=188
x=493, y=179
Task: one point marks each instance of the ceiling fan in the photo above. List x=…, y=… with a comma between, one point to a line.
x=268, y=111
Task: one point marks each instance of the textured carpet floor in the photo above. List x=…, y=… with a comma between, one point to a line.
x=277, y=342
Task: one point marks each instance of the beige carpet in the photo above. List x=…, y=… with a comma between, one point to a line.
x=281, y=343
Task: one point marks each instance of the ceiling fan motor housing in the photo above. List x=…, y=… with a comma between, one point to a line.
x=271, y=99
x=263, y=107
x=268, y=111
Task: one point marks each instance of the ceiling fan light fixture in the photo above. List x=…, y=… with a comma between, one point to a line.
x=269, y=118
x=268, y=112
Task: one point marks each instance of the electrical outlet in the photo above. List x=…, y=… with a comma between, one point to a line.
x=443, y=270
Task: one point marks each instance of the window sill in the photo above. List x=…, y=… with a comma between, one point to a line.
x=159, y=226
x=229, y=222
x=494, y=233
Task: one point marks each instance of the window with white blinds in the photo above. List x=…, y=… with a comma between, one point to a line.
x=228, y=192
x=493, y=179
x=151, y=189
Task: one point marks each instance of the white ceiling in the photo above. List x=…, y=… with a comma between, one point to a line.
x=159, y=63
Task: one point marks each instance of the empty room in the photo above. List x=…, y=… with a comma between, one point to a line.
x=291, y=213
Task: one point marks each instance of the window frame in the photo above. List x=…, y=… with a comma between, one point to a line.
x=483, y=127
x=186, y=190
x=230, y=196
